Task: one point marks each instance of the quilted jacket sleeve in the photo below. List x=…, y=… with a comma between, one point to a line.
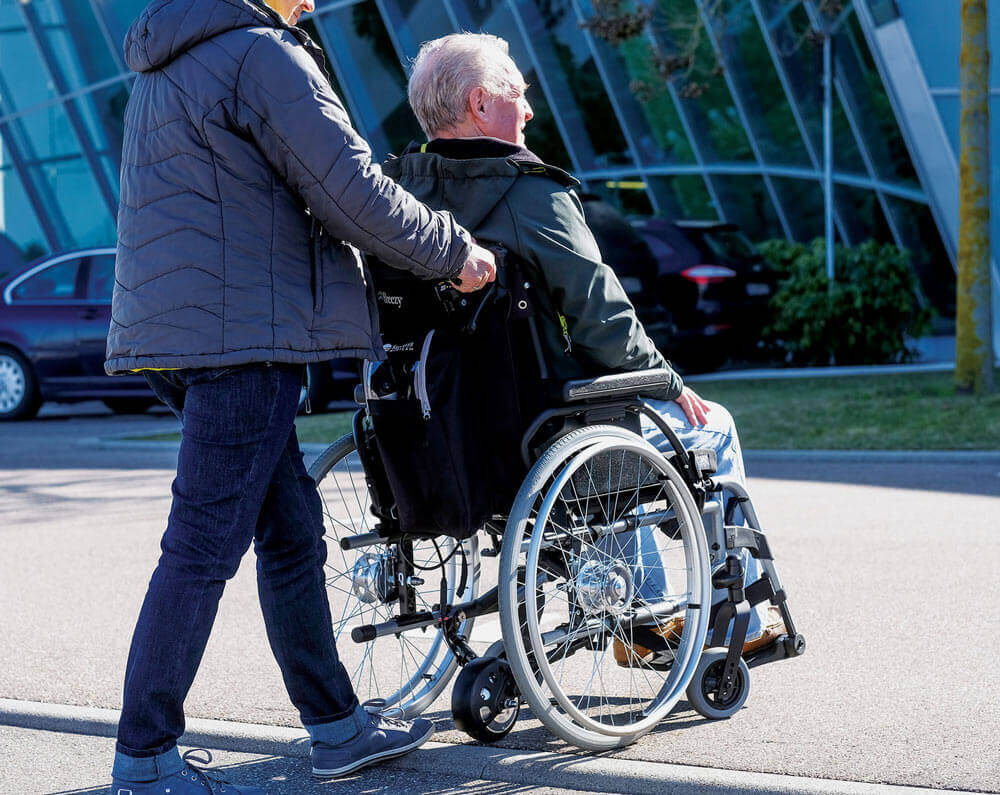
x=286, y=104
x=601, y=320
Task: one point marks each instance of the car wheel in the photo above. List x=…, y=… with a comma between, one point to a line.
x=19, y=396
x=128, y=405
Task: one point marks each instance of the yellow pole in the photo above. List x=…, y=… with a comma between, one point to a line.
x=973, y=333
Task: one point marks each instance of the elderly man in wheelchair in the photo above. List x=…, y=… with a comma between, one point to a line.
x=532, y=434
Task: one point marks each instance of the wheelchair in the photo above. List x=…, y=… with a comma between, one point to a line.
x=590, y=577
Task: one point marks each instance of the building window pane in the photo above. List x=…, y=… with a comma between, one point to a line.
x=709, y=107
x=749, y=65
x=930, y=258
x=55, y=159
x=875, y=116
x=802, y=56
x=118, y=16
x=415, y=22
x=575, y=84
x=862, y=214
x=804, y=198
x=683, y=196
x=17, y=218
x=628, y=194
x=650, y=115
x=748, y=205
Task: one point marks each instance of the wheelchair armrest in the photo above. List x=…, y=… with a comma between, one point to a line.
x=619, y=384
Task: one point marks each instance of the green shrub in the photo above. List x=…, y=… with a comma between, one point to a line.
x=866, y=318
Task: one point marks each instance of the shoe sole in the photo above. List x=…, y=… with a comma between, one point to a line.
x=337, y=772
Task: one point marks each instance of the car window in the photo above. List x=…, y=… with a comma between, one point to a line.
x=728, y=243
x=101, y=281
x=55, y=283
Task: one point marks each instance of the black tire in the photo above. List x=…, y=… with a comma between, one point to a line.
x=702, y=693
x=19, y=395
x=129, y=405
x=480, y=697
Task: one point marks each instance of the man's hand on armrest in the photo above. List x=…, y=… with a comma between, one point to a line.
x=695, y=409
x=479, y=270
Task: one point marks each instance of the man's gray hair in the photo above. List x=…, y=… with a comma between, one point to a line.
x=446, y=70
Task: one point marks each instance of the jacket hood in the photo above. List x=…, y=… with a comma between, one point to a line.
x=468, y=176
x=168, y=28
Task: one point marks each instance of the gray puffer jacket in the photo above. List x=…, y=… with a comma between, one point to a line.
x=244, y=191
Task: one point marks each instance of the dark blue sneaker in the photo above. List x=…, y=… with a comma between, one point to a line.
x=189, y=781
x=384, y=738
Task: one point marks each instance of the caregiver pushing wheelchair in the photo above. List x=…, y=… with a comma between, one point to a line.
x=535, y=422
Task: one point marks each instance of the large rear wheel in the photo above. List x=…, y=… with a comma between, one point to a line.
x=606, y=631
x=407, y=670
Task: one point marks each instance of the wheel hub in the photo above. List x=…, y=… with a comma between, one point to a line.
x=11, y=383
x=374, y=578
x=604, y=587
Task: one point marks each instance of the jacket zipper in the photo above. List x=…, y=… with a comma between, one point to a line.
x=564, y=327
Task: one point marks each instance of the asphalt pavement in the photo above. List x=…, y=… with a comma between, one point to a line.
x=890, y=567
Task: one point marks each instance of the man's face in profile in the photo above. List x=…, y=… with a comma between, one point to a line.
x=291, y=10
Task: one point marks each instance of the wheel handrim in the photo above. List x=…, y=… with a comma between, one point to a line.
x=13, y=384
x=672, y=685
x=425, y=662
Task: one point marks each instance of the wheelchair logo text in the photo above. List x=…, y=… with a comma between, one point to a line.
x=391, y=300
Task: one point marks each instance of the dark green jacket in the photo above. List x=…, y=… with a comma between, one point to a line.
x=505, y=194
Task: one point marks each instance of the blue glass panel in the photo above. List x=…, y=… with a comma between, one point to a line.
x=18, y=222
x=749, y=65
x=118, y=16
x=650, y=115
x=862, y=214
x=683, y=196
x=928, y=254
x=801, y=55
x=55, y=159
x=574, y=83
x=416, y=21
x=950, y=110
x=369, y=64
x=804, y=200
x=862, y=87
x=936, y=30
x=748, y=205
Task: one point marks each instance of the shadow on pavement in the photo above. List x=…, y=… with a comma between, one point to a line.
x=928, y=475
x=284, y=776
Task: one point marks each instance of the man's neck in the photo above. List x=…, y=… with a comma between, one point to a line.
x=270, y=4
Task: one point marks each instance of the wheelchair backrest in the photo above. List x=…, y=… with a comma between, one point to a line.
x=448, y=404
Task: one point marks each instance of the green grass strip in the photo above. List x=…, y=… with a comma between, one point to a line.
x=916, y=411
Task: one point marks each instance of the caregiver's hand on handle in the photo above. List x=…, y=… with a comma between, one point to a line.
x=479, y=270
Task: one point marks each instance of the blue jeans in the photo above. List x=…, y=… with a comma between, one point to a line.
x=240, y=479
x=719, y=434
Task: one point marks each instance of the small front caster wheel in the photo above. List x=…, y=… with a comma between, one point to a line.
x=484, y=700
x=703, y=692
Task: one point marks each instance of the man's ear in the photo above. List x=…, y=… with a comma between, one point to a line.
x=477, y=103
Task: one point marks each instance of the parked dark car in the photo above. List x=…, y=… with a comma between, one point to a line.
x=702, y=289
x=54, y=319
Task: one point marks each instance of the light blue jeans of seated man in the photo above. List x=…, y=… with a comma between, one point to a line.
x=638, y=547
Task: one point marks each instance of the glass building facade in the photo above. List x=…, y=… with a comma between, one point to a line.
x=746, y=146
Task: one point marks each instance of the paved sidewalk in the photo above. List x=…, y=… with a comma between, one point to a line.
x=276, y=757
x=888, y=568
